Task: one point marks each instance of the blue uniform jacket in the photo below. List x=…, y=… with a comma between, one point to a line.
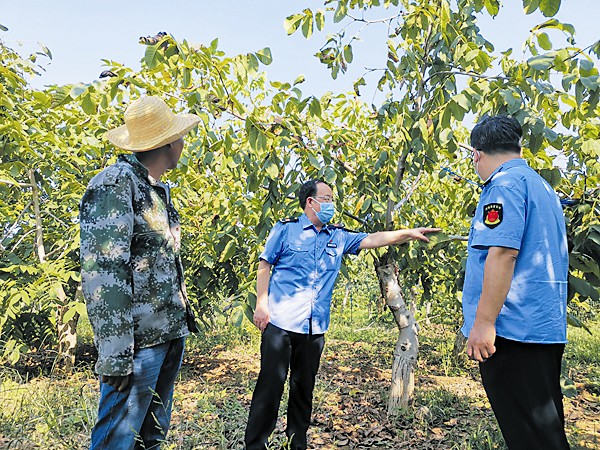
x=519, y=210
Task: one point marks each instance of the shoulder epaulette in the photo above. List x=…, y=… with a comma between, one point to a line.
x=339, y=225
x=289, y=220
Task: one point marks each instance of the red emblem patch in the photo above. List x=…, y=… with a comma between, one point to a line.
x=492, y=215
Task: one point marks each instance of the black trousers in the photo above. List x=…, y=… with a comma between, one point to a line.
x=280, y=350
x=522, y=382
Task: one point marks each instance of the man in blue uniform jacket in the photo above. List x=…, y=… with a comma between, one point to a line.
x=296, y=274
x=515, y=290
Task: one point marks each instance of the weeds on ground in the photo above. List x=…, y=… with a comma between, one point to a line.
x=212, y=397
x=52, y=412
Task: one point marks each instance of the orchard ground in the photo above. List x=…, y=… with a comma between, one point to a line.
x=213, y=394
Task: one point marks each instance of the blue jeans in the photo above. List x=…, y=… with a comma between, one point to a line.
x=139, y=417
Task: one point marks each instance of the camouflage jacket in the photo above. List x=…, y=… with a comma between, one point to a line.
x=131, y=270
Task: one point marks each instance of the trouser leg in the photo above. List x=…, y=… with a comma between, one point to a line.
x=304, y=365
x=121, y=414
x=522, y=382
x=275, y=351
x=158, y=418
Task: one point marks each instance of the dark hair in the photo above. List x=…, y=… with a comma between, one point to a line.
x=497, y=134
x=308, y=189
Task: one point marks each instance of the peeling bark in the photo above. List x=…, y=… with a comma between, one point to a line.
x=407, y=346
x=460, y=345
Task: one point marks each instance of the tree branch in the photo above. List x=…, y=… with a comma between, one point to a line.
x=468, y=74
x=14, y=225
x=13, y=183
x=39, y=237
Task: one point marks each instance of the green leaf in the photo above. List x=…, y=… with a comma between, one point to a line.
x=360, y=82
x=307, y=24
x=315, y=107
x=591, y=147
x=549, y=7
x=340, y=12
x=591, y=83
x=529, y=6
x=265, y=56
x=291, y=23
x=463, y=101
x=73, y=309
x=348, y=53
x=541, y=62
x=575, y=322
x=237, y=317
x=567, y=386
x=87, y=104
x=320, y=20
x=544, y=41
x=3, y=28
x=229, y=251
x=272, y=170
x=150, y=56
x=492, y=7
x=252, y=63
x=552, y=176
x=299, y=79
x=77, y=90
x=581, y=286
x=248, y=312
x=584, y=263
x=41, y=98
x=436, y=239
x=330, y=176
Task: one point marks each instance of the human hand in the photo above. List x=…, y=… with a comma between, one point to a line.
x=118, y=382
x=480, y=345
x=419, y=233
x=261, y=317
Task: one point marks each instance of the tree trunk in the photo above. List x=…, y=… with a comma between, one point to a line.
x=407, y=346
x=460, y=344
x=66, y=331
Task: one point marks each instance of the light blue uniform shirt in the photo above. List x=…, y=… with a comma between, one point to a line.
x=305, y=264
x=519, y=210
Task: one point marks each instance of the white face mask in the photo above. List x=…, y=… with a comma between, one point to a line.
x=326, y=212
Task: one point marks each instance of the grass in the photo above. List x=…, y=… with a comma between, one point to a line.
x=212, y=397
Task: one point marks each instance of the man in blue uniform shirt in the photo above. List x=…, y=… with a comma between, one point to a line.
x=515, y=290
x=296, y=274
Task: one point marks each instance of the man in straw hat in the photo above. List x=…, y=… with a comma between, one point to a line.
x=132, y=278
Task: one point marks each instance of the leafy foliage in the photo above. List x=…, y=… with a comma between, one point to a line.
x=393, y=164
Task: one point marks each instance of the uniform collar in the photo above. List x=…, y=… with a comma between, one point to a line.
x=306, y=224
x=139, y=169
x=515, y=162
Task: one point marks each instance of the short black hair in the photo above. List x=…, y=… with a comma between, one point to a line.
x=497, y=134
x=308, y=189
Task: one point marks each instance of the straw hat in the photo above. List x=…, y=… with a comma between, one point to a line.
x=150, y=124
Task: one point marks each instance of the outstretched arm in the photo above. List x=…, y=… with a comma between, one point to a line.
x=261, y=313
x=384, y=238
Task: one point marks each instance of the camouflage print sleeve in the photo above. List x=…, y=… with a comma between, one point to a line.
x=106, y=221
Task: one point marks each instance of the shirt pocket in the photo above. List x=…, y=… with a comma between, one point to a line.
x=331, y=259
x=298, y=253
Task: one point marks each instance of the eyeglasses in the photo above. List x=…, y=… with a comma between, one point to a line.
x=326, y=198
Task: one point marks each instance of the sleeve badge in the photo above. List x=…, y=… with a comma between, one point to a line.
x=492, y=215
